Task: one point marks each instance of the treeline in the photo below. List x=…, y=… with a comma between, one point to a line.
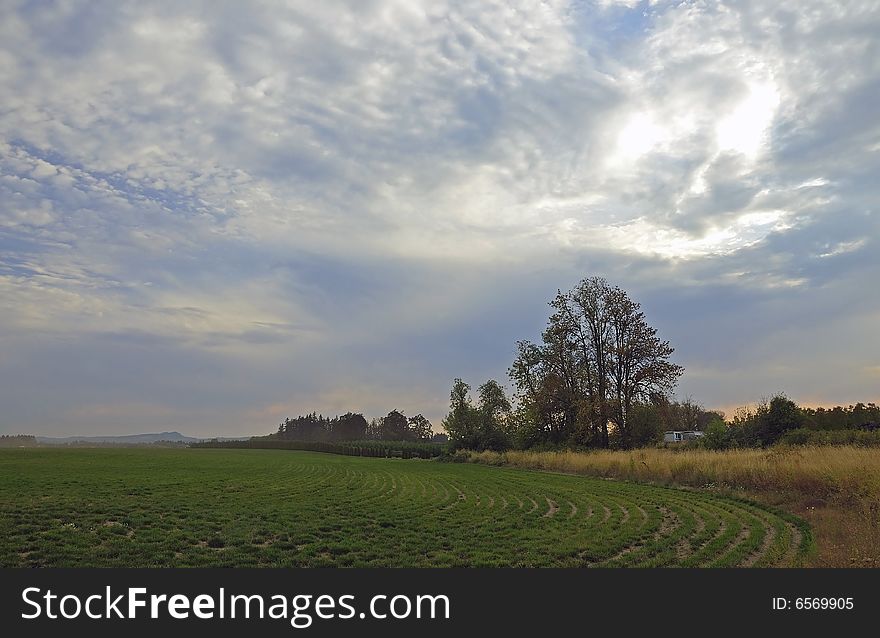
x=781, y=420
x=118, y=444
x=601, y=377
x=18, y=440
x=370, y=448
x=395, y=426
x=394, y=435
x=491, y=423
x=859, y=415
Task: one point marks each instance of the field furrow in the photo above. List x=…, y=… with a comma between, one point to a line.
x=207, y=507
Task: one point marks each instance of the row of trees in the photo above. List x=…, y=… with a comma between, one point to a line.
x=841, y=417
x=601, y=377
x=781, y=419
x=17, y=440
x=493, y=424
x=395, y=426
x=486, y=426
x=597, y=370
x=316, y=427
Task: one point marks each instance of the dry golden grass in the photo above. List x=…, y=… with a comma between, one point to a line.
x=836, y=489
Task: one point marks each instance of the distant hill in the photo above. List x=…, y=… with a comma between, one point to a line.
x=131, y=439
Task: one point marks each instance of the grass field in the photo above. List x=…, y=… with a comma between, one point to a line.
x=186, y=507
x=836, y=489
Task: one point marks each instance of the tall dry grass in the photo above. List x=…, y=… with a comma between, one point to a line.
x=823, y=472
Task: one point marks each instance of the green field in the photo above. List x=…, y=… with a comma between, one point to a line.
x=187, y=507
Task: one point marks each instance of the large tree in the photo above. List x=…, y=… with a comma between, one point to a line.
x=462, y=422
x=599, y=358
x=494, y=413
x=395, y=427
x=420, y=428
x=349, y=427
x=482, y=427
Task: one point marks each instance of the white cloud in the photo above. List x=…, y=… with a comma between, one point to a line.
x=745, y=129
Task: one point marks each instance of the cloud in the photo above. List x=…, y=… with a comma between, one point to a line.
x=308, y=202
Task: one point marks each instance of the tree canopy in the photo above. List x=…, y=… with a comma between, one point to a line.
x=354, y=427
x=599, y=358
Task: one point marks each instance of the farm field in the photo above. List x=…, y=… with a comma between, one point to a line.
x=213, y=507
x=835, y=489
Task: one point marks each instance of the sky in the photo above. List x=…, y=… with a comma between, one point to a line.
x=217, y=214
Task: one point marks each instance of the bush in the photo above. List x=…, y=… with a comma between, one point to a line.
x=800, y=436
x=455, y=456
x=803, y=436
x=716, y=436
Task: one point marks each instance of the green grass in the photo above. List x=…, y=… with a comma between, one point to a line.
x=215, y=507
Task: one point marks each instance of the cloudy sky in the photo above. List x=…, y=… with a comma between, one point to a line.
x=216, y=214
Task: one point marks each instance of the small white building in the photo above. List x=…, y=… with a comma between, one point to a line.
x=677, y=436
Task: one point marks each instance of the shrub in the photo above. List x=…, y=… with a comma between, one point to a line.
x=803, y=436
x=455, y=456
x=716, y=436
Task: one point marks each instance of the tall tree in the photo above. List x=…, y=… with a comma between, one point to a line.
x=462, y=421
x=395, y=427
x=639, y=361
x=493, y=402
x=776, y=418
x=494, y=415
x=349, y=427
x=598, y=359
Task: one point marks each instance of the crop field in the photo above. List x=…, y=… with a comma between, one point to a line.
x=214, y=507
